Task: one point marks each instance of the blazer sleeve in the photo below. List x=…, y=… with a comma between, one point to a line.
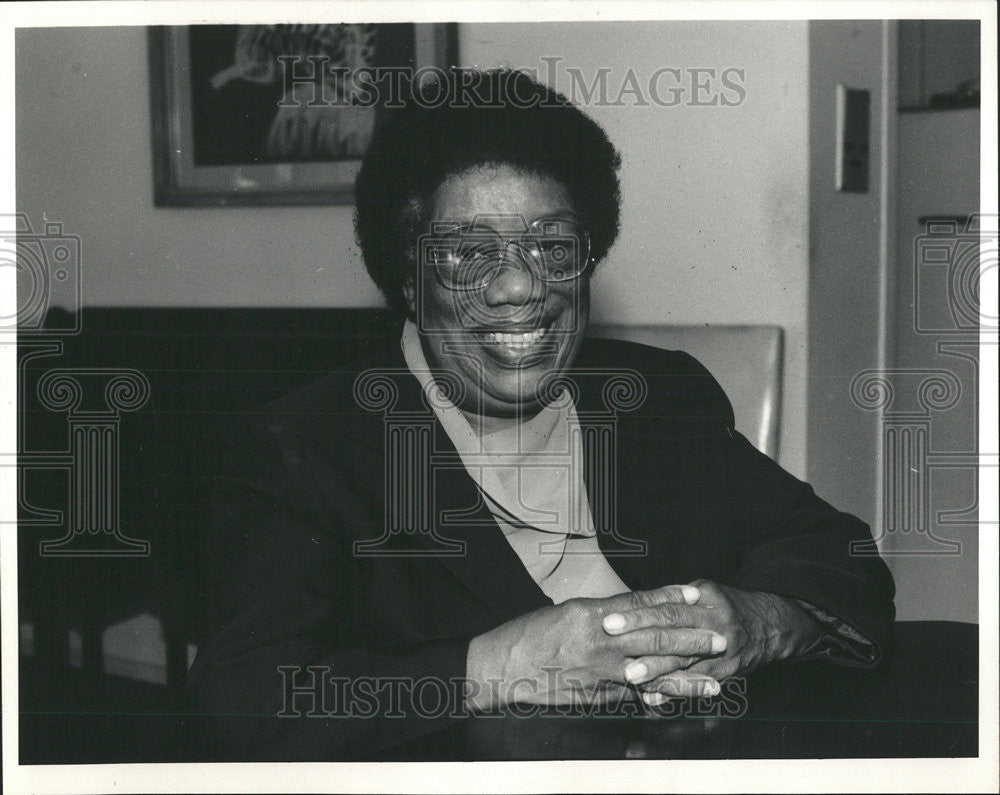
x=279, y=677
x=791, y=542
x=794, y=544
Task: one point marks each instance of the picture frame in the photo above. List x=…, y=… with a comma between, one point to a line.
x=268, y=114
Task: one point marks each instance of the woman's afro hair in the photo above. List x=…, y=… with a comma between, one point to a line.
x=463, y=119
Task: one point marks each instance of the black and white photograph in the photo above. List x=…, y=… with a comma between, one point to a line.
x=602, y=395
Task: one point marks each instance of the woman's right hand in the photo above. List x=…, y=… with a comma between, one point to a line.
x=562, y=654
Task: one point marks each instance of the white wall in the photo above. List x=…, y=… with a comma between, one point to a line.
x=715, y=214
x=861, y=315
x=938, y=175
x=715, y=211
x=847, y=270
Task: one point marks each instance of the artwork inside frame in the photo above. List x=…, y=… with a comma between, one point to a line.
x=277, y=114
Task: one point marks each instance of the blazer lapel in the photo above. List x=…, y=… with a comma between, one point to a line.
x=486, y=564
x=489, y=567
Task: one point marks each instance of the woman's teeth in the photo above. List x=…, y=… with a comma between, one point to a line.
x=524, y=340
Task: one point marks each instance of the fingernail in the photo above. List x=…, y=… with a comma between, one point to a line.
x=713, y=689
x=636, y=672
x=690, y=593
x=614, y=622
x=719, y=643
x=653, y=699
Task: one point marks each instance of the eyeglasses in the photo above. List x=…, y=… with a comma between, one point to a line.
x=471, y=256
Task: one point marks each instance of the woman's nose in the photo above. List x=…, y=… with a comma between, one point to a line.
x=514, y=283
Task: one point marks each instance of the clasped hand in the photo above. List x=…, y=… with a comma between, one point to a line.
x=748, y=629
x=678, y=640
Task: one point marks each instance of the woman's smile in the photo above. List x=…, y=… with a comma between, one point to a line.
x=518, y=350
x=516, y=340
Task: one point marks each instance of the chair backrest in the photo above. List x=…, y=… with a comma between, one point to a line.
x=745, y=360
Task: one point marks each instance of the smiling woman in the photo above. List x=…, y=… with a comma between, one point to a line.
x=494, y=505
x=517, y=322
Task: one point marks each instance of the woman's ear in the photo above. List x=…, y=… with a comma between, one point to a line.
x=410, y=294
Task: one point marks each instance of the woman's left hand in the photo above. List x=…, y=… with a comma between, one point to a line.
x=758, y=628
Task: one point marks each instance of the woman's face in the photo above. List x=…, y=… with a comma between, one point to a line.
x=500, y=339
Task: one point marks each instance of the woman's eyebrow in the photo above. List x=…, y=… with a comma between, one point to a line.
x=449, y=226
x=563, y=215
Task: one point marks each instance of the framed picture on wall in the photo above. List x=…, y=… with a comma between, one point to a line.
x=277, y=114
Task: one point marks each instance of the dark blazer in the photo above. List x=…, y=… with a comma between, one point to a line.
x=309, y=562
